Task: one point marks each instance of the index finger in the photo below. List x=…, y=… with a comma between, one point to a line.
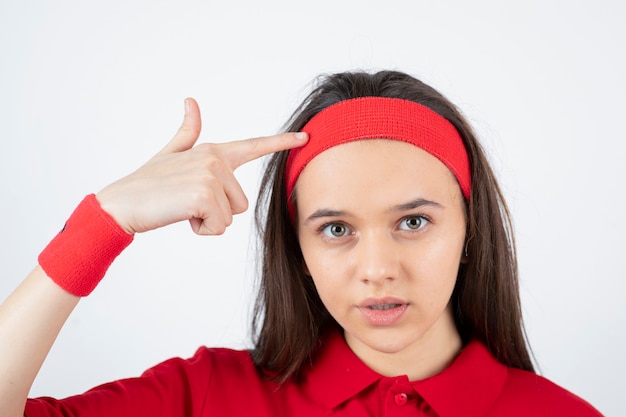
x=239, y=152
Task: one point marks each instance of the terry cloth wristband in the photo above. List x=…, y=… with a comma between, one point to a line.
x=380, y=118
x=79, y=256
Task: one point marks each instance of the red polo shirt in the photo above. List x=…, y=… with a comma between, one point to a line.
x=223, y=382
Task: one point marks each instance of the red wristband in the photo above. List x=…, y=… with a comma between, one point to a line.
x=79, y=256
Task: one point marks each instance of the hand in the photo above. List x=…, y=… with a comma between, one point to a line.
x=187, y=182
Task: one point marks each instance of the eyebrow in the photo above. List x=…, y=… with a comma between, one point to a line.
x=324, y=213
x=411, y=205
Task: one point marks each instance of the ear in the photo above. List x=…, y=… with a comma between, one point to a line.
x=465, y=256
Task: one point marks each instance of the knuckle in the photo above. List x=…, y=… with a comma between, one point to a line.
x=207, y=148
x=228, y=221
x=217, y=230
x=209, y=182
x=213, y=163
x=254, y=148
x=255, y=145
x=240, y=206
x=188, y=130
x=201, y=199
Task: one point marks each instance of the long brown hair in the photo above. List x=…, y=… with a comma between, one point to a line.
x=289, y=317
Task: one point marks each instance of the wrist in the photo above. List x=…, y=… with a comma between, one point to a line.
x=80, y=254
x=106, y=200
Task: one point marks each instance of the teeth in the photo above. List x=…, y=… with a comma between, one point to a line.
x=384, y=306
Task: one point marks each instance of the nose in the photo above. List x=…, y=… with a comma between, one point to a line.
x=378, y=259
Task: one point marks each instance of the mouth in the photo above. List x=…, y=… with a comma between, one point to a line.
x=383, y=312
x=382, y=303
x=384, y=306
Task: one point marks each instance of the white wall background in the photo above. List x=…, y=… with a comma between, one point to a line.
x=90, y=90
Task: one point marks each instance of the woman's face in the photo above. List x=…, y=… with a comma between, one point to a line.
x=381, y=225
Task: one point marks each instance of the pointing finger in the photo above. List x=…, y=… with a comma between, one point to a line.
x=239, y=152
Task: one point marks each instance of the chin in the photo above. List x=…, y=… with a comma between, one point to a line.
x=386, y=341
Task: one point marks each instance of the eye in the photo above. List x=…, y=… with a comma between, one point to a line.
x=413, y=223
x=335, y=230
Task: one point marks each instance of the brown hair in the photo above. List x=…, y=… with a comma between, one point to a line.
x=289, y=317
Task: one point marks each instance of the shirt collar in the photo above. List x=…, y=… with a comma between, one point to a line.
x=337, y=373
x=468, y=387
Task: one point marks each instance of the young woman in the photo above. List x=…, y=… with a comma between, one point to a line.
x=389, y=279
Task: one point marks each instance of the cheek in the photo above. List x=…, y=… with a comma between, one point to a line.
x=437, y=265
x=317, y=258
x=326, y=271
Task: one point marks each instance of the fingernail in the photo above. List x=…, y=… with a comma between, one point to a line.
x=301, y=135
x=186, y=106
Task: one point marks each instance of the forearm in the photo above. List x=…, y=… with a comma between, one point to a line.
x=182, y=182
x=30, y=320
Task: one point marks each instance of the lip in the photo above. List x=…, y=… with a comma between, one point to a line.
x=384, y=311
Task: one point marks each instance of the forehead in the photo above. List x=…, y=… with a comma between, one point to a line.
x=375, y=169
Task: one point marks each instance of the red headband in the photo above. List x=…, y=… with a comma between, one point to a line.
x=381, y=118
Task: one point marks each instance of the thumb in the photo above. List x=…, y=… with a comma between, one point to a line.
x=189, y=131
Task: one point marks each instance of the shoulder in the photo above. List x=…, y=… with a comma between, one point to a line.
x=539, y=396
x=484, y=386
x=174, y=387
x=207, y=362
x=202, y=380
